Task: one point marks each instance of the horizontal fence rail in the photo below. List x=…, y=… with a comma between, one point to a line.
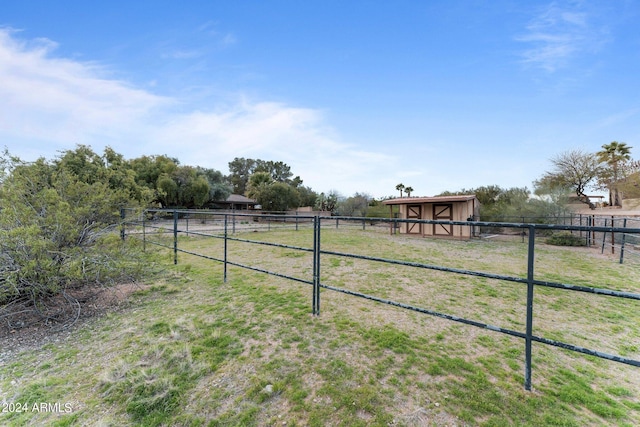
x=224, y=226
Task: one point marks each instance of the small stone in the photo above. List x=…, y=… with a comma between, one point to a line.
x=268, y=389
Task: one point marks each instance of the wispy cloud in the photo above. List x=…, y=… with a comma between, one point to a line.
x=223, y=39
x=616, y=119
x=182, y=54
x=61, y=100
x=560, y=33
x=51, y=103
x=272, y=131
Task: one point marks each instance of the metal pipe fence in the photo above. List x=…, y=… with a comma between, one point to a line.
x=622, y=243
x=233, y=228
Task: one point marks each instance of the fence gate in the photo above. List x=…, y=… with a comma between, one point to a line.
x=443, y=213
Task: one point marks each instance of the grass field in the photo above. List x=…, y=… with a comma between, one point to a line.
x=191, y=350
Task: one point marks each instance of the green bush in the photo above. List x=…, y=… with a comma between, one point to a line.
x=565, y=238
x=58, y=231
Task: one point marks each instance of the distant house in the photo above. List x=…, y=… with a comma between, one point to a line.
x=441, y=208
x=237, y=202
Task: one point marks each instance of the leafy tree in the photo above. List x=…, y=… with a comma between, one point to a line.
x=192, y=188
x=149, y=168
x=176, y=185
x=270, y=194
x=356, y=205
x=574, y=169
x=110, y=168
x=219, y=188
x=280, y=197
x=241, y=169
x=614, y=155
x=258, y=182
x=279, y=171
x=167, y=190
x=150, y=171
x=307, y=195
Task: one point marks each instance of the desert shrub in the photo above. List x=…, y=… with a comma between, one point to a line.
x=565, y=238
x=57, y=232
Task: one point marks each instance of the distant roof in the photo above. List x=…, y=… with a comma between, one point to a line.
x=239, y=198
x=435, y=199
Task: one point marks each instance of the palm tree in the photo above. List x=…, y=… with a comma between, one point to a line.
x=614, y=154
x=400, y=187
x=408, y=190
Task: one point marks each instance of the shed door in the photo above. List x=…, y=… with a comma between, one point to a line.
x=443, y=213
x=414, y=212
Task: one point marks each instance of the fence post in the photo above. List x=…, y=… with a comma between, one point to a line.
x=225, y=247
x=144, y=230
x=613, y=235
x=624, y=225
x=316, y=266
x=529, y=332
x=604, y=236
x=175, y=237
x=122, y=217
x=581, y=225
x=233, y=221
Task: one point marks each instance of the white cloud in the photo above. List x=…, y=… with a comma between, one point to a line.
x=272, y=131
x=52, y=103
x=559, y=34
x=60, y=100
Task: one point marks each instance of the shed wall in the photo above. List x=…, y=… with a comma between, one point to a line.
x=460, y=211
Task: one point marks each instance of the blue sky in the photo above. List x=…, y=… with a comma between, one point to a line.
x=356, y=96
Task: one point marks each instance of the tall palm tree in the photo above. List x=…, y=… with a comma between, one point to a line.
x=408, y=190
x=400, y=187
x=614, y=154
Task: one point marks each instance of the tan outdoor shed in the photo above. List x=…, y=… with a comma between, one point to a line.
x=441, y=208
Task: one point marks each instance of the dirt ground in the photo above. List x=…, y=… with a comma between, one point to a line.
x=25, y=329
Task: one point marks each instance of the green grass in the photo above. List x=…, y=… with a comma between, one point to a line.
x=191, y=350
